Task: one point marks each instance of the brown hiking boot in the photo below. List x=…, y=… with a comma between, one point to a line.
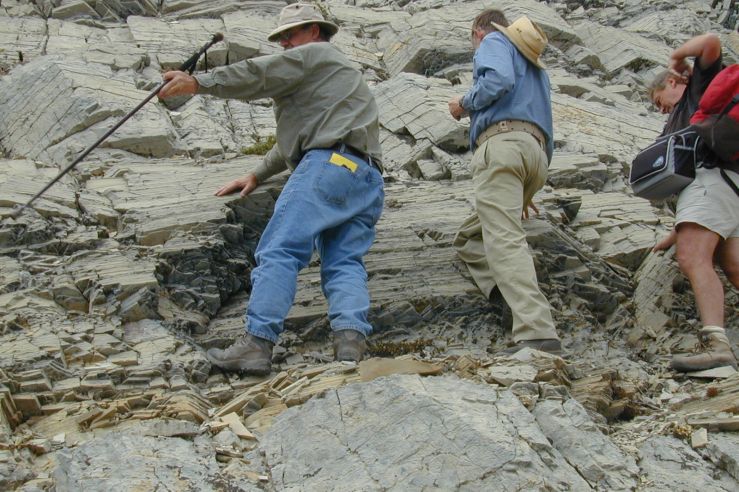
x=248, y=355
x=549, y=345
x=714, y=350
x=349, y=345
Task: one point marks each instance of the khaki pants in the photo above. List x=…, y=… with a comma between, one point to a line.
x=507, y=170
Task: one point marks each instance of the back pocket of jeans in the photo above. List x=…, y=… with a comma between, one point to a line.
x=335, y=183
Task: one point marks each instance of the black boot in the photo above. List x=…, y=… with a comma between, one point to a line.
x=349, y=345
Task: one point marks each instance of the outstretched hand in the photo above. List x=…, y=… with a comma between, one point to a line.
x=178, y=83
x=244, y=185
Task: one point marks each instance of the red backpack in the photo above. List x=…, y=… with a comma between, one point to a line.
x=717, y=116
x=717, y=121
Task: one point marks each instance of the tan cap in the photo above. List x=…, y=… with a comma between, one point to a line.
x=527, y=37
x=299, y=14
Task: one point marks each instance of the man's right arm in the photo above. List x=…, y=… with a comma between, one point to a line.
x=272, y=164
x=257, y=78
x=706, y=49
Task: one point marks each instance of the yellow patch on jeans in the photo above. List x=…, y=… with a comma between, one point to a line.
x=340, y=160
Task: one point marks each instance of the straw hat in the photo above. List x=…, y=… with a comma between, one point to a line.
x=299, y=14
x=527, y=37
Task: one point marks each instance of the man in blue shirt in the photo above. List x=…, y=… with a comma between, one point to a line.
x=511, y=136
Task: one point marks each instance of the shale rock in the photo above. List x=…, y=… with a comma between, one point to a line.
x=496, y=441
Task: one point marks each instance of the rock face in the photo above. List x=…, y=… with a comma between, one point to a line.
x=123, y=273
x=89, y=466
x=412, y=434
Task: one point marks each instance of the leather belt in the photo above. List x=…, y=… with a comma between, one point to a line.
x=506, y=126
x=343, y=148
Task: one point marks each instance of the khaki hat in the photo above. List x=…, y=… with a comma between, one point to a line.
x=527, y=37
x=299, y=14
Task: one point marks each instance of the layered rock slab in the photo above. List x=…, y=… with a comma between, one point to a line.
x=106, y=464
x=408, y=433
x=670, y=464
x=53, y=100
x=574, y=434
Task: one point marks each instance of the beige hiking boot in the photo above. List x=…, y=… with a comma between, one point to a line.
x=714, y=351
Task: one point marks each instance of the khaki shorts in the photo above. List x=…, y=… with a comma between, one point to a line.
x=710, y=202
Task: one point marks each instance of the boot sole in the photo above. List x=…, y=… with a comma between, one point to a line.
x=682, y=368
x=261, y=368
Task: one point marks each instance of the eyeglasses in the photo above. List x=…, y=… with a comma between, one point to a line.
x=285, y=36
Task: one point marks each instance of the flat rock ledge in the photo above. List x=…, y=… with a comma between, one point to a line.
x=409, y=433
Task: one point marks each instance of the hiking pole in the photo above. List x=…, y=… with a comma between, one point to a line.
x=188, y=66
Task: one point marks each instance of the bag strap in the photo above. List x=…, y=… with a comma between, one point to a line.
x=729, y=181
x=734, y=101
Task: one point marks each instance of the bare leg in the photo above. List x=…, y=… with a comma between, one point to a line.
x=695, y=249
x=728, y=258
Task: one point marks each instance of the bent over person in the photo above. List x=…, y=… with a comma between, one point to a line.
x=707, y=212
x=328, y=134
x=511, y=136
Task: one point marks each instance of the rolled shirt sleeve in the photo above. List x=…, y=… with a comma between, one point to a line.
x=273, y=163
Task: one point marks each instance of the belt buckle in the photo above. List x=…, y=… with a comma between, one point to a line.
x=503, y=126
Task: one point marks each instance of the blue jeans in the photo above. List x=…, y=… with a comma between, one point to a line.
x=330, y=208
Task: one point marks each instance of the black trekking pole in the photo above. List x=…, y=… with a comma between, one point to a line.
x=187, y=66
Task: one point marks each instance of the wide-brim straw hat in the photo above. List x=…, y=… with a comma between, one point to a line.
x=299, y=14
x=527, y=37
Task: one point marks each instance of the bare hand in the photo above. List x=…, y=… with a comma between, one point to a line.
x=178, y=83
x=679, y=68
x=244, y=185
x=525, y=213
x=455, y=108
x=666, y=242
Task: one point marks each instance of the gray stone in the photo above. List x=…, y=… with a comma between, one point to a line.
x=599, y=461
x=412, y=433
x=653, y=296
x=20, y=180
x=185, y=9
x=675, y=26
x=169, y=44
x=723, y=449
x=113, y=46
x=432, y=170
x=434, y=39
x=169, y=428
x=618, y=49
x=417, y=106
x=165, y=462
x=62, y=98
x=21, y=40
x=624, y=224
x=670, y=464
x=10, y=274
x=577, y=171
x=508, y=375
x=73, y=9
